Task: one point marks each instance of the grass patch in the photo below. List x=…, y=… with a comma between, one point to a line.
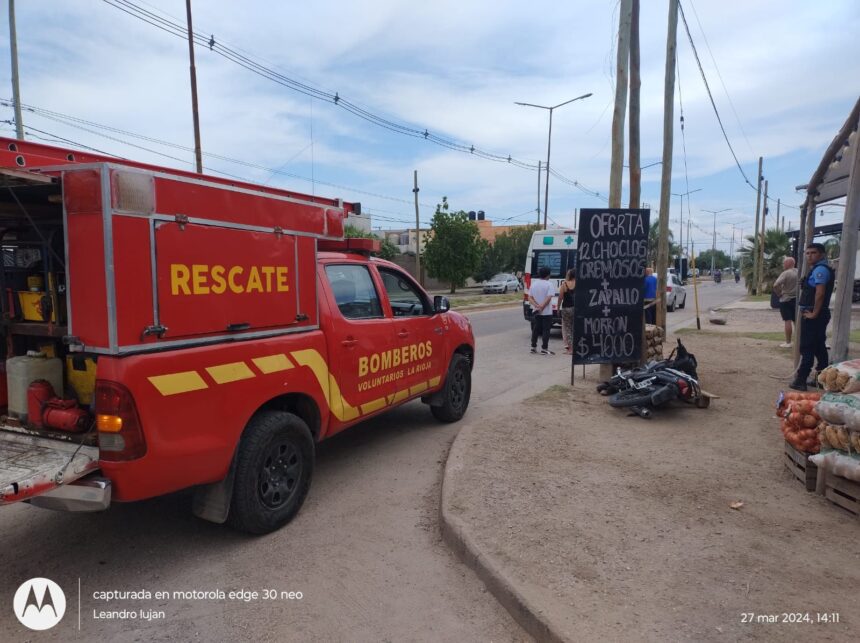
x=554, y=393
x=473, y=300
x=757, y=298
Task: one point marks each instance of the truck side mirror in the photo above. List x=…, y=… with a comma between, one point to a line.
x=440, y=304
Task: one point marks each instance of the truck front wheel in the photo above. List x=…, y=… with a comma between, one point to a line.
x=274, y=467
x=456, y=392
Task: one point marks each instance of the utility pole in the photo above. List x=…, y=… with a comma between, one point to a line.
x=755, y=230
x=635, y=84
x=779, y=223
x=417, y=233
x=732, y=249
x=538, y=205
x=621, y=81
x=666, y=177
x=616, y=166
x=16, y=90
x=198, y=153
x=760, y=275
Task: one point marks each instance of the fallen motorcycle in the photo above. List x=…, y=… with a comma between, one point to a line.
x=656, y=384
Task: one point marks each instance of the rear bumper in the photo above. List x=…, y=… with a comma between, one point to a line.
x=92, y=493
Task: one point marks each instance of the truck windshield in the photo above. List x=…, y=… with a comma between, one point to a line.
x=558, y=262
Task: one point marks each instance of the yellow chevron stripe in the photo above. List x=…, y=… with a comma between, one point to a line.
x=434, y=381
x=272, y=363
x=233, y=372
x=375, y=405
x=418, y=388
x=341, y=409
x=399, y=396
x=174, y=383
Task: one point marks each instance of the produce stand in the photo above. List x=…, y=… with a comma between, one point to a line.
x=799, y=465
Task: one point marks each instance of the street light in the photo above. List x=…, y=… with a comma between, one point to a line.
x=685, y=194
x=548, y=145
x=714, y=242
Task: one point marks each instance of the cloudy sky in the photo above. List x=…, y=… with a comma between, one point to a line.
x=781, y=73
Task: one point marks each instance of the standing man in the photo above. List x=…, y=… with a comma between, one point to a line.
x=541, y=293
x=649, y=296
x=785, y=287
x=816, y=288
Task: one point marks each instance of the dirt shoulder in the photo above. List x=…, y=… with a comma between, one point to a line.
x=596, y=525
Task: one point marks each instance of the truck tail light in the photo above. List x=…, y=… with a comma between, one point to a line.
x=668, y=288
x=120, y=433
x=527, y=280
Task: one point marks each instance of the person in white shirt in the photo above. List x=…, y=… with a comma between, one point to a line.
x=541, y=293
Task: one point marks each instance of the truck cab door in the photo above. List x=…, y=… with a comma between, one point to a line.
x=419, y=334
x=360, y=341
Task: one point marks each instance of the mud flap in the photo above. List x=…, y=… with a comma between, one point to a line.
x=212, y=501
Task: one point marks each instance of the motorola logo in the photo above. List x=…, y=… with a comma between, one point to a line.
x=39, y=603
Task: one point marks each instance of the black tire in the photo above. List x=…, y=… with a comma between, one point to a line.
x=683, y=303
x=456, y=392
x=630, y=397
x=671, y=307
x=273, y=473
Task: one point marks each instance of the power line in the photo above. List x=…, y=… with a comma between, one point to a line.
x=714, y=104
x=91, y=127
x=711, y=97
x=250, y=64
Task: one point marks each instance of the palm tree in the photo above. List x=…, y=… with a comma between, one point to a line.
x=777, y=247
x=653, y=238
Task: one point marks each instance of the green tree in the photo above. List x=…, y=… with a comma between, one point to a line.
x=454, y=249
x=653, y=238
x=513, y=246
x=490, y=264
x=703, y=260
x=387, y=251
x=777, y=247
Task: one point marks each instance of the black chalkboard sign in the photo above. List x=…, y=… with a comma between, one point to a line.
x=612, y=254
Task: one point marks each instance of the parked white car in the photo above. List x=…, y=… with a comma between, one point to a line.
x=503, y=282
x=676, y=294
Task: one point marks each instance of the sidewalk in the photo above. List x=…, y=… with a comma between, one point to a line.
x=589, y=525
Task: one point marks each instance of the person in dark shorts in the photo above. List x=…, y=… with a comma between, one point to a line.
x=785, y=287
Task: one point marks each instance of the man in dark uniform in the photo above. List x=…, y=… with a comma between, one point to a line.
x=816, y=288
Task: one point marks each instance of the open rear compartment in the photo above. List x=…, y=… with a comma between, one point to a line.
x=47, y=435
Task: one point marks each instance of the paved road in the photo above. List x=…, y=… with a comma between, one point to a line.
x=365, y=550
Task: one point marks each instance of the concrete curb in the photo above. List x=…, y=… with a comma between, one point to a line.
x=479, y=307
x=489, y=569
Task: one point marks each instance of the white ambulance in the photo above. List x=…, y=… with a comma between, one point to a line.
x=555, y=249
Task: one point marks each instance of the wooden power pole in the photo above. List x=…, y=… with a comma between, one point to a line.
x=16, y=90
x=198, y=151
x=755, y=230
x=635, y=84
x=417, y=233
x=666, y=181
x=618, y=115
x=760, y=275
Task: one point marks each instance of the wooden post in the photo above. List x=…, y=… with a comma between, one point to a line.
x=760, y=275
x=616, y=169
x=618, y=115
x=847, y=262
x=666, y=181
x=198, y=150
x=417, y=233
x=755, y=231
x=635, y=84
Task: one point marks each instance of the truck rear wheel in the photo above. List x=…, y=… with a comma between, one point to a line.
x=456, y=392
x=274, y=467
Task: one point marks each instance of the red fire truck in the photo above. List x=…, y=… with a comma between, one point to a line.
x=165, y=330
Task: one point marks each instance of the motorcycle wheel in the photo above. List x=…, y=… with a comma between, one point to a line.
x=630, y=397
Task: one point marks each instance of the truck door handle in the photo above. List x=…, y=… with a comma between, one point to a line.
x=438, y=330
x=349, y=342
x=403, y=334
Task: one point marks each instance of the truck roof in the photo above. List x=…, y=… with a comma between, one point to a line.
x=26, y=155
